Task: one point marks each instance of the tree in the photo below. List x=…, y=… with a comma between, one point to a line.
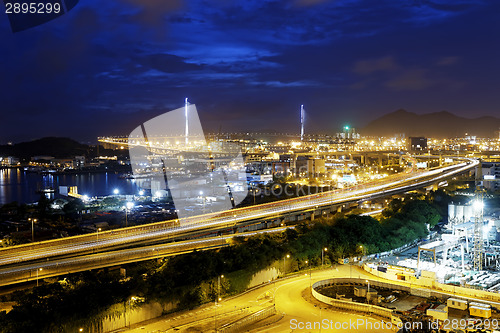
x=74, y=207
x=43, y=205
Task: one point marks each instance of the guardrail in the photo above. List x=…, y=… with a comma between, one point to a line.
x=30, y=272
x=65, y=266
x=352, y=306
x=433, y=288
x=391, y=252
x=252, y=318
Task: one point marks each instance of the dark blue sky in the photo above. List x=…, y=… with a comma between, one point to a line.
x=109, y=65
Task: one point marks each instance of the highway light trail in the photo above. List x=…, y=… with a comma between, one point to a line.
x=111, y=240
x=27, y=271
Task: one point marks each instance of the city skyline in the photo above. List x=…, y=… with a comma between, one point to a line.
x=104, y=68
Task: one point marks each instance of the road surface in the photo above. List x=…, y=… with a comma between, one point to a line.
x=293, y=303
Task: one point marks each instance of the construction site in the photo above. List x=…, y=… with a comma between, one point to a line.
x=453, y=277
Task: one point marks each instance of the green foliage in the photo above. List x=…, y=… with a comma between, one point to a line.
x=110, y=202
x=191, y=278
x=43, y=205
x=181, y=272
x=74, y=206
x=402, y=222
x=48, y=307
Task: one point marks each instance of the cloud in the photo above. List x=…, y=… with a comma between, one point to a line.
x=281, y=84
x=383, y=64
x=129, y=55
x=153, y=12
x=386, y=72
x=448, y=61
x=410, y=80
x=167, y=63
x=425, y=12
x=361, y=84
x=308, y=3
x=447, y=6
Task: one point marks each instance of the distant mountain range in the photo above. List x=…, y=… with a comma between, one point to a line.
x=49, y=146
x=437, y=125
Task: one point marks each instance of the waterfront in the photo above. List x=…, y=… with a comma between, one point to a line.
x=21, y=186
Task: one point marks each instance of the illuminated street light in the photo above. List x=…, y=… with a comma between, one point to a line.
x=116, y=191
x=128, y=206
x=284, y=267
x=310, y=273
x=218, y=299
x=218, y=286
x=322, y=255
x=141, y=192
x=362, y=251
x=98, y=229
x=33, y=221
x=38, y=270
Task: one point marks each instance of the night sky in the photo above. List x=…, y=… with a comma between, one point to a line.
x=109, y=65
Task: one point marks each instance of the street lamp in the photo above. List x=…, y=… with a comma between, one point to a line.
x=254, y=192
x=284, y=267
x=218, y=286
x=362, y=251
x=310, y=272
x=274, y=290
x=323, y=250
x=33, y=221
x=116, y=191
x=98, y=229
x=128, y=206
x=38, y=270
x=217, y=299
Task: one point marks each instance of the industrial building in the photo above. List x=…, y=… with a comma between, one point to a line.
x=491, y=175
x=417, y=143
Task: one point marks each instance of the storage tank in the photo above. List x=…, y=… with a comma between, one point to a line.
x=451, y=212
x=459, y=212
x=468, y=213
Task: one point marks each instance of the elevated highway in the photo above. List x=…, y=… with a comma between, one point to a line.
x=131, y=240
x=39, y=269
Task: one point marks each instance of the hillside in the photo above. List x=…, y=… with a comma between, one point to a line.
x=50, y=146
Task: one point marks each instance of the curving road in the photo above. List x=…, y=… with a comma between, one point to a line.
x=293, y=302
